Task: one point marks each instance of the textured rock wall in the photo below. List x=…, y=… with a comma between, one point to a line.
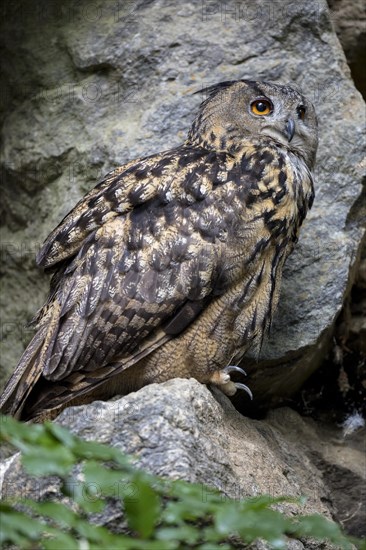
x=88, y=86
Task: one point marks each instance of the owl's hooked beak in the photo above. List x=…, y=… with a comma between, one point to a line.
x=290, y=129
x=284, y=134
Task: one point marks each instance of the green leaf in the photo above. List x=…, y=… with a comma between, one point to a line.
x=210, y=534
x=54, y=510
x=177, y=512
x=108, y=482
x=262, y=502
x=16, y=527
x=123, y=542
x=48, y=461
x=251, y=524
x=61, y=434
x=99, y=451
x=316, y=526
x=142, y=510
x=185, y=491
x=91, y=531
x=210, y=546
x=13, y=431
x=185, y=533
x=84, y=494
x=227, y=519
x=60, y=541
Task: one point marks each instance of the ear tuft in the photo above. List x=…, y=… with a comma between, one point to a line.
x=210, y=91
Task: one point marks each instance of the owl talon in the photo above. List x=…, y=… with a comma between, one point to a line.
x=234, y=368
x=223, y=381
x=245, y=388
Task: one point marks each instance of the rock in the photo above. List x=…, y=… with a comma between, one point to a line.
x=349, y=19
x=180, y=430
x=90, y=86
x=357, y=306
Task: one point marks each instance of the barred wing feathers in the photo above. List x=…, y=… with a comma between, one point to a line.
x=137, y=253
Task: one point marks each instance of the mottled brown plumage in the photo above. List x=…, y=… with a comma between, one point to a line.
x=171, y=266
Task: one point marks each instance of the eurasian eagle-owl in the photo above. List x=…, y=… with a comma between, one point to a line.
x=171, y=266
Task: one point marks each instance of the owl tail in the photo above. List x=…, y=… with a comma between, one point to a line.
x=30, y=368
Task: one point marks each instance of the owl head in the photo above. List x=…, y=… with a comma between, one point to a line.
x=239, y=110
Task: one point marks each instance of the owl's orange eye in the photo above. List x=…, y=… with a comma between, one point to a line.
x=261, y=107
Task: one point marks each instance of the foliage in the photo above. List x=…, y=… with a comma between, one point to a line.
x=160, y=514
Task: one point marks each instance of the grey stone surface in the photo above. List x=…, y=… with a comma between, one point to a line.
x=88, y=86
x=349, y=19
x=180, y=430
